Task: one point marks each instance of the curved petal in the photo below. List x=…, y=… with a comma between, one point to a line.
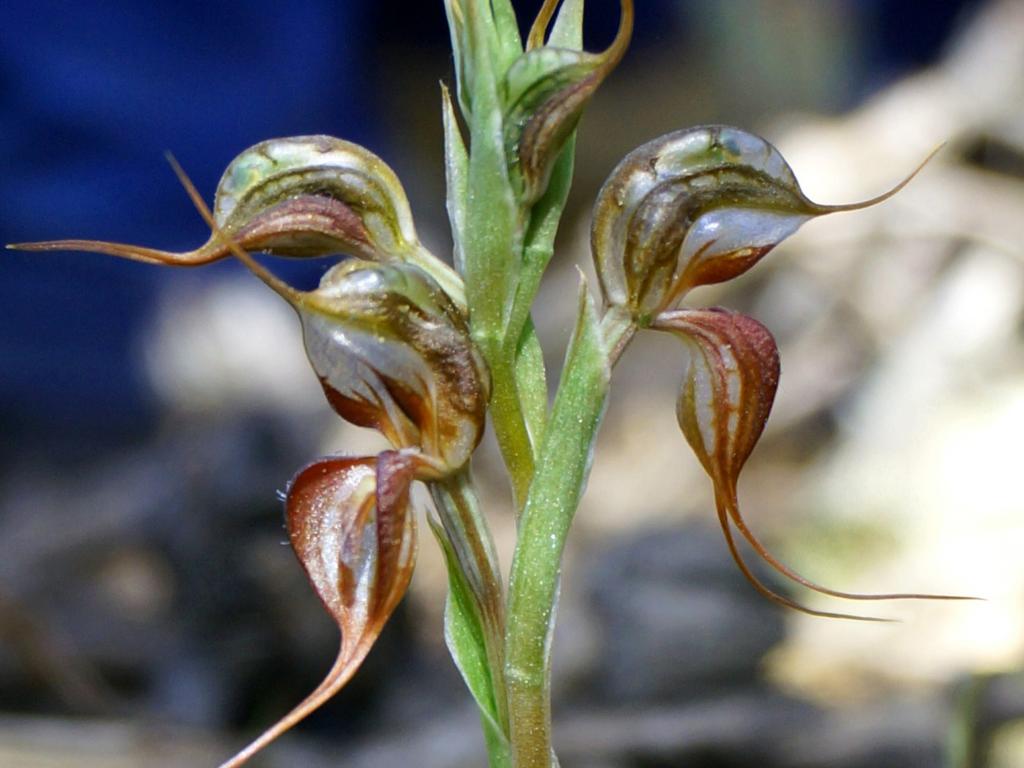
x=350, y=526
x=728, y=388
x=694, y=207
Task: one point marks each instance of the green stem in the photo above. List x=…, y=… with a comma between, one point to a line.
x=492, y=246
x=509, y=422
x=562, y=468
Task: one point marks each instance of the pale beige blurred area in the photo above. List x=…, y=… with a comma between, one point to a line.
x=27, y=742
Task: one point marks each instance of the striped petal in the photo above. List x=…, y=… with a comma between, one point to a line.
x=728, y=388
x=350, y=526
x=730, y=381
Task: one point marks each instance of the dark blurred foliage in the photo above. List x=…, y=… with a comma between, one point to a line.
x=93, y=95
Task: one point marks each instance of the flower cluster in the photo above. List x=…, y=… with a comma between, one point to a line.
x=391, y=348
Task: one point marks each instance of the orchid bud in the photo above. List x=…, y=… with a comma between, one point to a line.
x=695, y=207
x=393, y=352
x=545, y=92
x=350, y=526
x=301, y=196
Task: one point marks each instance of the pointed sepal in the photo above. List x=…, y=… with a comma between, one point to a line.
x=301, y=196
x=728, y=387
x=732, y=372
x=351, y=528
x=695, y=207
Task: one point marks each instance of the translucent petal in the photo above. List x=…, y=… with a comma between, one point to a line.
x=730, y=381
x=695, y=207
x=350, y=526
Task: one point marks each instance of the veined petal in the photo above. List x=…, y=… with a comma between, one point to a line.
x=694, y=207
x=350, y=526
x=728, y=388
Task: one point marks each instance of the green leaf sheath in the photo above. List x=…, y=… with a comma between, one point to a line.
x=562, y=471
x=510, y=44
x=492, y=237
x=456, y=172
x=464, y=637
x=539, y=242
x=510, y=427
x=532, y=384
x=521, y=350
x=567, y=31
x=471, y=549
x=458, y=30
x=531, y=377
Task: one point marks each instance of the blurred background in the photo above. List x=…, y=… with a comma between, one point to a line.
x=150, y=611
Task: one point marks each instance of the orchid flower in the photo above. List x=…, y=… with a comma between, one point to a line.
x=692, y=208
